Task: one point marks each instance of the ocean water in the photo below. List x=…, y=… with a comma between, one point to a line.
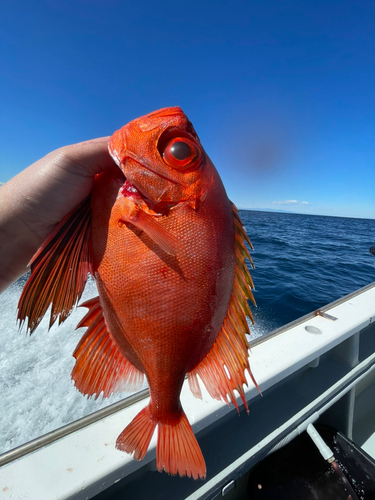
x=302, y=262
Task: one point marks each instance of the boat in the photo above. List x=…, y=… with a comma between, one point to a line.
x=317, y=371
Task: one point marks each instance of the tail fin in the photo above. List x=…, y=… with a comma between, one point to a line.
x=177, y=450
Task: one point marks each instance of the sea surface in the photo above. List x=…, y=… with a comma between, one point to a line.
x=302, y=262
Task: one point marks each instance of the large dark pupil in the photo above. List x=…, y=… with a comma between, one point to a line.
x=180, y=150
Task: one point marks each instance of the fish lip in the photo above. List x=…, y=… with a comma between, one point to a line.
x=130, y=190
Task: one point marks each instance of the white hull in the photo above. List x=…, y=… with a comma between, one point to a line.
x=318, y=368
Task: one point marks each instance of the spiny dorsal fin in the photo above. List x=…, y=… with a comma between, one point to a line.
x=100, y=366
x=59, y=270
x=229, y=354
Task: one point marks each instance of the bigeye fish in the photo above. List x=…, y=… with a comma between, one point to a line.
x=166, y=248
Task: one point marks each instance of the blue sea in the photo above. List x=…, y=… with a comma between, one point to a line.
x=302, y=262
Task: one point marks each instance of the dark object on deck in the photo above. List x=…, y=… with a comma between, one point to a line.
x=372, y=250
x=299, y=472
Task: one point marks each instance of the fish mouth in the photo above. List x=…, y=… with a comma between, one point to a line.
x=130, y=191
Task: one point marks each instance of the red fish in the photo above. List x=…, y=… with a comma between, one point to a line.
x=166, y=248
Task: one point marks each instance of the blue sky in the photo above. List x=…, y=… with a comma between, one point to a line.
x=281, y=93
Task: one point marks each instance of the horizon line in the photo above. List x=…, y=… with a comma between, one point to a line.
x=301, y=213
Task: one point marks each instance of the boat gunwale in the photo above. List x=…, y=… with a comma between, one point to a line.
x=312, y=314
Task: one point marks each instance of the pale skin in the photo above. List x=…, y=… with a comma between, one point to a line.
x=35, y=200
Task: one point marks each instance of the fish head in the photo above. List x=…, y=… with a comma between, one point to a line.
x=162, y=159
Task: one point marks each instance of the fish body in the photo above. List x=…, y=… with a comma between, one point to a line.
x=167, y=310
x=165, y=246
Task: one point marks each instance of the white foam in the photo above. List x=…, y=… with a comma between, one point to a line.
x=37, y=393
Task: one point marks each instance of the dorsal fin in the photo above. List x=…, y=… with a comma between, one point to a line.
x=59, y=270
x=100, y=366
x=223, y=369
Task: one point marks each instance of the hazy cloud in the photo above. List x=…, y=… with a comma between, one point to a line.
x=290, y=202
x=286, y=202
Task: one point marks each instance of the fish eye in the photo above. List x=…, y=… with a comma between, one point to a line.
x=180, y=150
x=182, y=154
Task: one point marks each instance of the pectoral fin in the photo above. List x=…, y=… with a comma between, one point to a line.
x=147, y=223
x=59, y=270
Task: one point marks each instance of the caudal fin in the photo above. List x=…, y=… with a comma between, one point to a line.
x=177, y=450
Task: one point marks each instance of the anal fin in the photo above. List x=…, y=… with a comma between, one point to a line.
x=100, y=366
x=136, y=437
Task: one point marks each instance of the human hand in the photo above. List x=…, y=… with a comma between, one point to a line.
x=36, y=199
